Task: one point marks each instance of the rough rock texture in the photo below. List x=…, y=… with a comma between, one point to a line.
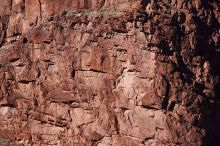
x=141, y=74
x=17, y=17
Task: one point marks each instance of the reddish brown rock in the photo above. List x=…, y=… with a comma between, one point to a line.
x=109, y=77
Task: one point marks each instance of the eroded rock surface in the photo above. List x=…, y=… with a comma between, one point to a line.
x=144, y=74
x=17, y=17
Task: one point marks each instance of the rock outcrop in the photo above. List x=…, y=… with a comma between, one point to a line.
x=19, y=16
x=115, y=73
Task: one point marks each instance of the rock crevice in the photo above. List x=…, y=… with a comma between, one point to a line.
x=143, y=73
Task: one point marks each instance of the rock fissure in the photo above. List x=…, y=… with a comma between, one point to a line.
x=127, y=73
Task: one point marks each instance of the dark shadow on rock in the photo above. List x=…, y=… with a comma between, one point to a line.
x=210, y=108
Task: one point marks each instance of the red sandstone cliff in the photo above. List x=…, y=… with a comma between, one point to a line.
x=123, y=74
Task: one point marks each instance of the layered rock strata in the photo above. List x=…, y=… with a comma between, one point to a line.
x=143, y=74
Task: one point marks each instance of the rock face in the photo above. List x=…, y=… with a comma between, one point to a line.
x=139, y=74
x=19, y=16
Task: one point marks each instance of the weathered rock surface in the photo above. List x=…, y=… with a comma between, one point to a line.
x=143, y=74
x=19, y=16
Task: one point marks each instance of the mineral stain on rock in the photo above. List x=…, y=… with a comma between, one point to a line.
x=109, y=72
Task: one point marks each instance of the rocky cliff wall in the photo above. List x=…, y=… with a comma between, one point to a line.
x=19, y=16
x=145, y=74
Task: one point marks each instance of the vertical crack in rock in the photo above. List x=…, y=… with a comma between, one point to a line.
x=109, y=73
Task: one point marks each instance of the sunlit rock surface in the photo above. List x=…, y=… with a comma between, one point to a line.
x=109, y=73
